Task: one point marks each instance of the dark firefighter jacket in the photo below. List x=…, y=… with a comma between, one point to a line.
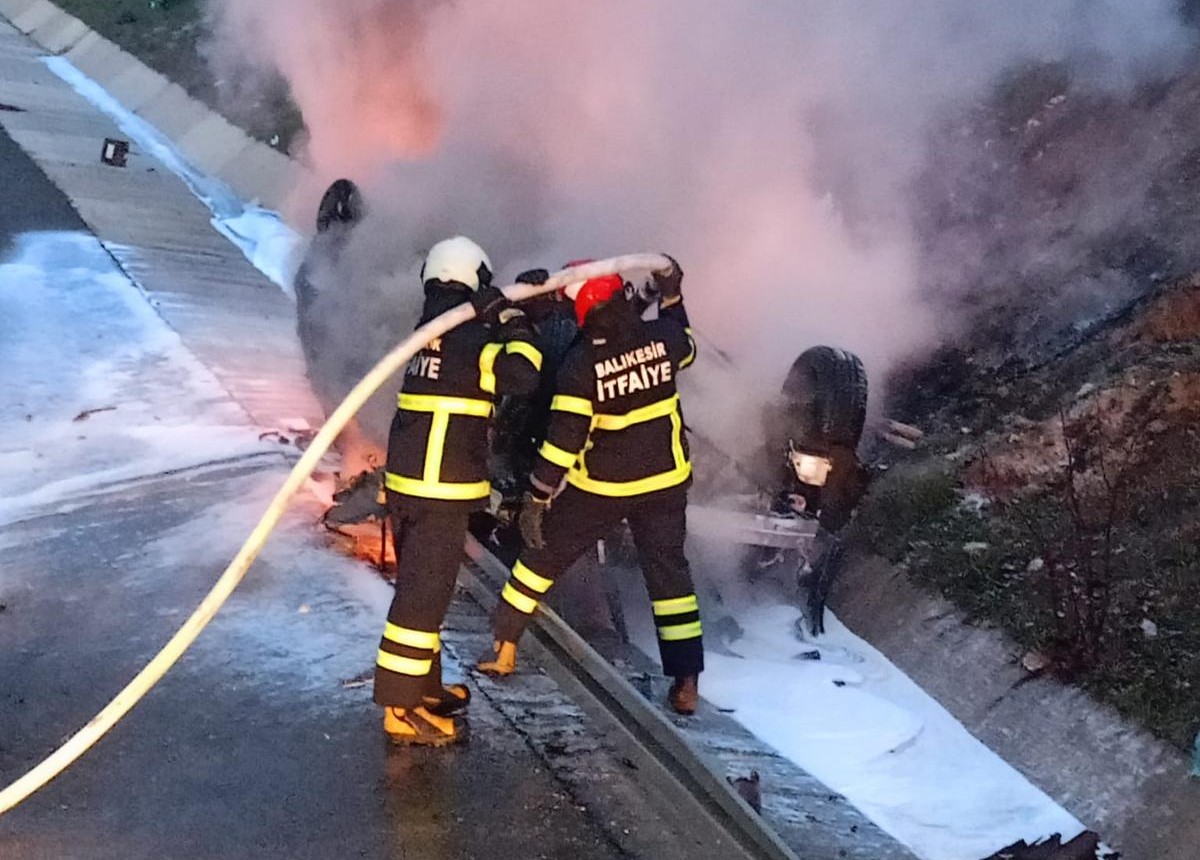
x=616, y=428
x=438, y=443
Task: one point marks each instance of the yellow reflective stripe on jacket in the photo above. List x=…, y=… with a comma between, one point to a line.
x=661, y=409
x=487, y=366
x=668, y=408
x=558, y=456
x=677, y=440
x=428, y=485
x=676, y=605
x=450, y=405
x=526, y=349
x=675, y=632
x=519, y=601
x=576, y=405
x=403, y=665
x=437, y=489
x=435, y=447
x=630, y=488
x=411, y=638
x=529, y=579
x=691, y=356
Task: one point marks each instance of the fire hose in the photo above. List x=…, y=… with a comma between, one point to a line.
x=81, y=741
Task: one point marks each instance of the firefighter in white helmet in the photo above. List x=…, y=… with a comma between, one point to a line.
x=437, y=476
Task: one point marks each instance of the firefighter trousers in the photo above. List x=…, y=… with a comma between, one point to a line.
x=575, y=521
x=428, y=537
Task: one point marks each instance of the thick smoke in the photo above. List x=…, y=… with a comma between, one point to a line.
x=771, y=146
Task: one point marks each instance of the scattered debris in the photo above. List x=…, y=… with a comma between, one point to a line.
x=1085, y=846
x=88, y=413
x=115, y=152
x=1035, y=662
x=898, y=441
x=748, y=788
x=902, y=435
x=361, y=500
x=360, y=680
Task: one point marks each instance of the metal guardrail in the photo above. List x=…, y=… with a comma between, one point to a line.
x=680, y=767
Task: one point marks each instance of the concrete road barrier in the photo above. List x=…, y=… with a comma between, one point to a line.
x=60, y=32
x=34, y=15
x=254, y=170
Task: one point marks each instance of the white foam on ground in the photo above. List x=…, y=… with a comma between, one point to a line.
x=79, y=336
x=864, y=728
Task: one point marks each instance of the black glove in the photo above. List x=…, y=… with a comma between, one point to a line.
x=537, y=277
x=514, y=325
x=669, y=282
x=529, y=521
x=488, y=302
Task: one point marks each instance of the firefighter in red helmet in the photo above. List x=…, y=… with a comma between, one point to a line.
x=437, y=475
x=615, y=450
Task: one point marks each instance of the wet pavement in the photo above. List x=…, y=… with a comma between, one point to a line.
x=252, y=743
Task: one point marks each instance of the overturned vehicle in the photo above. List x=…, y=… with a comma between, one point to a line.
x=783, y=502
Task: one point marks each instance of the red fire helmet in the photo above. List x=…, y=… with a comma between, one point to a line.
x=594, y=292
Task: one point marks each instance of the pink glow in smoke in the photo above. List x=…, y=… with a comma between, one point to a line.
x=768, y=145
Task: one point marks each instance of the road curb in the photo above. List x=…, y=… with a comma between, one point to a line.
x=683, y=767
x=254, y=170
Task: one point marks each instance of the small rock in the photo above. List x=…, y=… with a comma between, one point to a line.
x=808, y=655
x=1035, y=565
x=1149, y=628
x=1157, y=426
x=304, y=609
x=975, y=547
x=1035, y=662
x=1085, y=389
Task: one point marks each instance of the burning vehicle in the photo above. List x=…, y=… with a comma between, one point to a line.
x=784, y=500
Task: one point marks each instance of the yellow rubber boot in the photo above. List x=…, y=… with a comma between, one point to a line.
x=502, y=660
x=418, y=727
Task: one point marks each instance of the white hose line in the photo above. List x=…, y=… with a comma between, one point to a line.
x=81, y=741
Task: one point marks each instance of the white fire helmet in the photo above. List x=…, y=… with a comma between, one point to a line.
x=457, y=259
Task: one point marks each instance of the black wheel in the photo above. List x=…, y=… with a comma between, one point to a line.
x=341, y=204
x=825, y=396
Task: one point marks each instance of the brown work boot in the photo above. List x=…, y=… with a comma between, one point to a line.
x=418, y=727
x=502, y=660
x=684, y=695
x=450, y=699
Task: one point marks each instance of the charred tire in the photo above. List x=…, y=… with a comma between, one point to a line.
x=826, y=398
x=341, y=204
